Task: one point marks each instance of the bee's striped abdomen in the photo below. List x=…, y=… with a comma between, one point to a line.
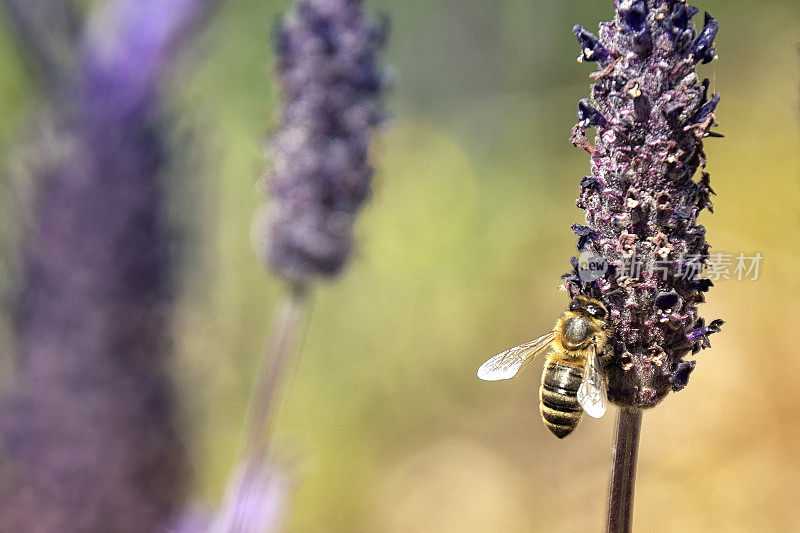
x=561, y=411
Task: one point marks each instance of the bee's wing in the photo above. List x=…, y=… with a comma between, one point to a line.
x=507, y=364
x=592, y=391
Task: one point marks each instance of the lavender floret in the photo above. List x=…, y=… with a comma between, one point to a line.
x=704, y=46
x=642, y=200
x=701, y=332
x=634, y=15
x=707, y=109
x=589, y=116
x=679, y=377
x=585, y=234
x=588, y=182
x=332, y=86
x=591, y=49
x=678, y=21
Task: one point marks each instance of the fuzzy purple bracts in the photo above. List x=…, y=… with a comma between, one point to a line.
x=651, y=113
x=332, y=86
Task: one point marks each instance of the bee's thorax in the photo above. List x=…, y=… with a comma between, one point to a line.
x=576, y=332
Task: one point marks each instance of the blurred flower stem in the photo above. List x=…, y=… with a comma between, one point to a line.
x=287, y=330
x=258, y=488
x=623, y=470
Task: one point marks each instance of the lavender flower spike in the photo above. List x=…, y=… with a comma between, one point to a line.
x=88, y=433
x=641, y=200
x=332, y=84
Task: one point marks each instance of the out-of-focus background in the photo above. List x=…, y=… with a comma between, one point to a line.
x=460, y=253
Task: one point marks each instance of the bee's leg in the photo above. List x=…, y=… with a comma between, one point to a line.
x=604, y=356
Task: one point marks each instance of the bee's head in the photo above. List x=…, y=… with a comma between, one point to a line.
x=589, y=307
x=586, y=318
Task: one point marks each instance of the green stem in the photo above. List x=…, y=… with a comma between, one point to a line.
x=623, y=471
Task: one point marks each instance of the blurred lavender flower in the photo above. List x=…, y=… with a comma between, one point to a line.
x=332, y=85
x=88, y=434
x=651, y=114
x=255, y=503
x=256, y=500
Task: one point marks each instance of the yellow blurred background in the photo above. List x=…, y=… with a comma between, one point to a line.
x=460, y=251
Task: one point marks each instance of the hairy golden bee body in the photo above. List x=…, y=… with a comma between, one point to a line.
x=573, y=380
x=558, y=395
x=575, y=332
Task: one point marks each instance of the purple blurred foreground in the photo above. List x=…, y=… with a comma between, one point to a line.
x=88, y=432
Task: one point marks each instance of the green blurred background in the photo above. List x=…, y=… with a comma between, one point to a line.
x=460, y=252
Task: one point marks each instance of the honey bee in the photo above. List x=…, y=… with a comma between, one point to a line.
x=572, y=380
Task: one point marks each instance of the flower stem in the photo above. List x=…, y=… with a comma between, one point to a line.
x=623, y=470
x=256, y=490
x=286, y=328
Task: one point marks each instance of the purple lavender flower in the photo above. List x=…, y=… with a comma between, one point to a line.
x=256, y=500
x=651, y=113
x=332, y=85
x=88, y=434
